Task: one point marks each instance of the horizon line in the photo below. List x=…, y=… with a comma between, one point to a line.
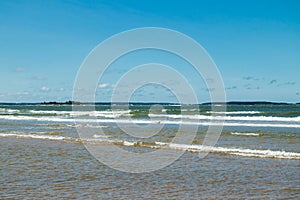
x=70, y=102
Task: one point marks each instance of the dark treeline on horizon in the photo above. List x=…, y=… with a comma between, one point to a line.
x=151, y=103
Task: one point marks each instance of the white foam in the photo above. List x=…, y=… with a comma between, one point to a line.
x=89, y=126
x=192, y=148
x=161, y=143
x=259, y=125
x=9, y=111
x=107, y=114
x=126, y=113
x=127, y=143
x=96, y=138
x=245, y=134
x=48, y=112
x=49, y=137
x=236, y=151
x=23, y=117
x=228, y=118
x=100, y=136
x=140, y=121
x=235, y=112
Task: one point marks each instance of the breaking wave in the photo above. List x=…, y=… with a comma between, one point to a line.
x=260, y=153
x=156, y=121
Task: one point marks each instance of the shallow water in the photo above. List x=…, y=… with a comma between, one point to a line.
x=52, y=169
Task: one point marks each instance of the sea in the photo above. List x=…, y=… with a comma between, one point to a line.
x=46, y=151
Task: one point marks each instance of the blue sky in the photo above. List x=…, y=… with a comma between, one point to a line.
x=255, y=44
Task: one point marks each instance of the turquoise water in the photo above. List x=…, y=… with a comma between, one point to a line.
x=257, y=154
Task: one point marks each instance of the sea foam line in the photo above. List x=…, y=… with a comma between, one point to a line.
x=96, y=138
x=153, y=121
x=49, y=137
x=174, y=146
x=229, y=118
x=120, y=113
x=234, y=112
x=245, y=134
x=105, y=113
x=234, y=151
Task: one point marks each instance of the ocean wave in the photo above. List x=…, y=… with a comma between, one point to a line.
x=235, y=112
x=234, y=151
x=96, y=138
x=229, y=118
x=101, y=136
x=128, y=113
x=9, y=111
x=48, y=133
x=128, y=143
x=260, y=153
x=54, y=112
x=35, y=136
x=245, y=134
x=105, y=114
x=153, y=121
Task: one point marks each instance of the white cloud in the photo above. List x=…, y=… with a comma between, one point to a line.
x=39, y=78
x=44, y=89
x=19, y=69
x=23, y=93
x=104, y=85
x=61, y=89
